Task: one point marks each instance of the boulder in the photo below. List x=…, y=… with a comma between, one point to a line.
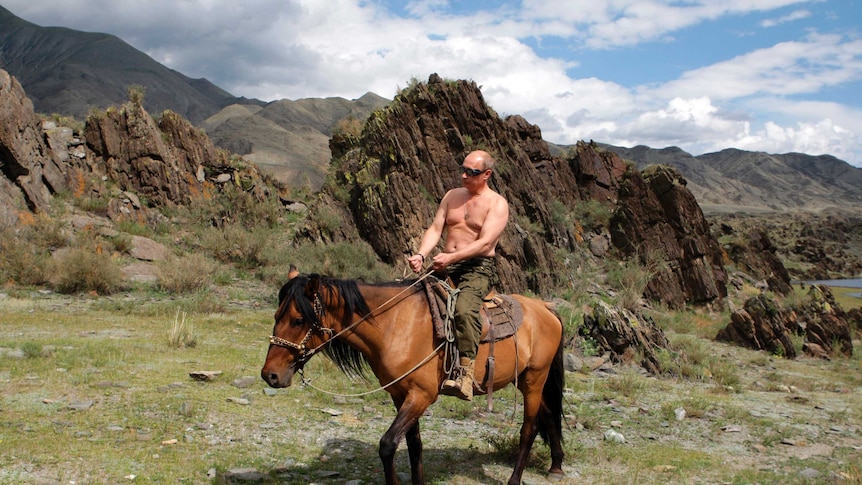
x=761, y=325
x=626, y=336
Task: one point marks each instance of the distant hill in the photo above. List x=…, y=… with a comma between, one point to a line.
x=67, y=72
x=746, y=181
x=288, y=140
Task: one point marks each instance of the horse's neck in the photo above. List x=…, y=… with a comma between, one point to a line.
x=395, y=313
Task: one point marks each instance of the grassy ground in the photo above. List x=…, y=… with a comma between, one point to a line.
x=97, y=391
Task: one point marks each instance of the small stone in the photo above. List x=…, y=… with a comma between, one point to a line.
x=614, y=437
x=809, y=473
x=244, y=382
x=205, y=375
x=679, y=413
x=80, y=405
x=239, y=400
x=268, y=391
x=243, y=475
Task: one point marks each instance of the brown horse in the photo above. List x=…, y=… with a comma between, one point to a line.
x=389, y=327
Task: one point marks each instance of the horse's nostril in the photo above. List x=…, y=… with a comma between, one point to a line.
x=273, y=379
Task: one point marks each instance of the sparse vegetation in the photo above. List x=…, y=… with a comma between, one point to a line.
x=81, y=270
x=182, y=333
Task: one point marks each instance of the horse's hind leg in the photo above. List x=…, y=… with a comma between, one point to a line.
x=406, y=423
x=529, y=429
x=555, y=442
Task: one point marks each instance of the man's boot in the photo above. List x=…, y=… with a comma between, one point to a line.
x=461, y=387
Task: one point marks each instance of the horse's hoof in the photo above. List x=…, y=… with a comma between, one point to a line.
x=556, y=475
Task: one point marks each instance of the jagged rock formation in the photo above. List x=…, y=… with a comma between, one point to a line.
x=29, y=172
x=659, y=222
x=761, y=325
x=764, y=325
x=626, y=336
x=756, y=256
x=164, y=163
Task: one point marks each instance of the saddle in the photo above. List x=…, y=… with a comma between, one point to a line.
x=501, y=315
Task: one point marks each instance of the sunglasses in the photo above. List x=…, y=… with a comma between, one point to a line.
x=471, y=172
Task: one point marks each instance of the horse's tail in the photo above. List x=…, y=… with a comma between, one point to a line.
x=550, y=415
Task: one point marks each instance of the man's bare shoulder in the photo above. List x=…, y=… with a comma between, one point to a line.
x=455, y=193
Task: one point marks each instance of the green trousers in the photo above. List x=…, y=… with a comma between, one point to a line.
x=474, y=278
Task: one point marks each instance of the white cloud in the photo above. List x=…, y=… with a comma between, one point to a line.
x=274, y=49
x=784, y=69
x=795, y=15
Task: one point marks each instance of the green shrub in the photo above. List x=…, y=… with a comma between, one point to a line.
x=81, y=270
x=185, y=274
x=629, y=279
x=23, y=263
x=341, y=260
x=236, y=244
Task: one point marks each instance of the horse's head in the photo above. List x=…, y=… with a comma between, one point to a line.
x=299, y=329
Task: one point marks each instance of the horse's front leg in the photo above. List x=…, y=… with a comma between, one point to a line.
x=414, y=449
x=406, y=423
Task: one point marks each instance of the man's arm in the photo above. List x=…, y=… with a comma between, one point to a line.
x=431, y=237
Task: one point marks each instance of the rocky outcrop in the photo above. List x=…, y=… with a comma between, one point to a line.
x=764, y=324
x=626, y=336
x=392, y=177
x=165, y=162
x=824, y=323
x=755, y=255
x=25, y=159
x=761, y=325
x=154, y=164
x=658, y=222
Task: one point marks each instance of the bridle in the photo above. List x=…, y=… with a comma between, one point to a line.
x=315, y=326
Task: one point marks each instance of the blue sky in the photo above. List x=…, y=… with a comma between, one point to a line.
x=767, y=75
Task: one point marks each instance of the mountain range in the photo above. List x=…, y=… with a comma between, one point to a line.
x=70, y=72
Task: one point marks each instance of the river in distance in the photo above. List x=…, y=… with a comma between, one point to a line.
x=848, y=283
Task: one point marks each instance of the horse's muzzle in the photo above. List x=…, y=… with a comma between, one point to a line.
x=278, y=379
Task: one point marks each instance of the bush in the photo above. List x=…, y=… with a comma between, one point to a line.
x=22, y=262
x=80, y=270
x=629, y=279
x=236, y=244
x=186, y=274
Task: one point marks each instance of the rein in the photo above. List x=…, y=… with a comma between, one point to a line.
x=319, y=310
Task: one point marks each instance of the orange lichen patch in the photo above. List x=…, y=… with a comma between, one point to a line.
x=26, y=218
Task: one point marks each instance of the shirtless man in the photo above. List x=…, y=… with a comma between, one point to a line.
x=473, y=217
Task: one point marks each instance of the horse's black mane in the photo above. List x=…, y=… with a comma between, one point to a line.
x=348, y=359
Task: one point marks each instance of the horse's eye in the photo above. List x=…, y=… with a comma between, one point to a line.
x=297, y=322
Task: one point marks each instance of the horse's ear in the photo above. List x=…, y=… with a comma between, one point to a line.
x=312, y=287
x=292, y=272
